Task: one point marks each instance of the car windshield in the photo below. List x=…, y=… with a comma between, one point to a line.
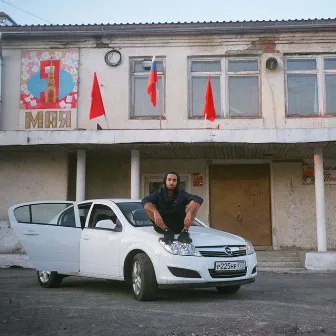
x=136, y=215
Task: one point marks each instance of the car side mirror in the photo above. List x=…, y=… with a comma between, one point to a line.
x=106, y=224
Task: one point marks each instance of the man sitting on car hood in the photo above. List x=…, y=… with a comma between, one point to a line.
x=171, y=209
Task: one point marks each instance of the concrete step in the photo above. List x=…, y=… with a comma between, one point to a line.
x=279, y=264
x=282, y=253
x=278, y=258
x=283, y=269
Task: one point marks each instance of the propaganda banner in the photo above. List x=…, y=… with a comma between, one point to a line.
x=48, y=89
x=329, y=169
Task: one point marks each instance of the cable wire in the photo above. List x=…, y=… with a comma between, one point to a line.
x=8, y=3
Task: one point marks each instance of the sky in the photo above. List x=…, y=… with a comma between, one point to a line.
x=136, y=11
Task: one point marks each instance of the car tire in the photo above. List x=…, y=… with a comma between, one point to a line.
x=144, y=285
x=49, y=279
x=228, y=289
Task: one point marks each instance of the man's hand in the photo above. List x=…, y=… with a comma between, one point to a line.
x=188, y=220
x=159, y=221
x=191, y=211
x=154, y=215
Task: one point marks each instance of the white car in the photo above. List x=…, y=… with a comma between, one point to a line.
x=114, y=239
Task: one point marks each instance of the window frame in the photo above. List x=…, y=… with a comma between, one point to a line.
x=302, y=72
x=148, y=178
x=323, y=87
x=252, y=73
x=320, y=73
x=224, y=83
x=91, y=213
x=133, y=75
x=205, y=75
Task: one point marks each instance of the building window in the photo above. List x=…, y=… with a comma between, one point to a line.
x=329, y=72
x=243, y=88
x=310, y=86
x=140, y=103
x=154, y=182
x=235, y=87
x=200, y=70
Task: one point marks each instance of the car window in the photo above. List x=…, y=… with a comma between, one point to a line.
x=67, y=218
x=46, y=214
x=101, y=212
x=135, y=213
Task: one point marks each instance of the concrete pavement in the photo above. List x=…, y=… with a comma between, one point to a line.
x=276, y=304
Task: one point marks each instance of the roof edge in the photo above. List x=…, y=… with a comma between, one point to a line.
x=171, y=28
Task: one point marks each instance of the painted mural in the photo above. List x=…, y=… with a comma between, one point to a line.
x=49, y=85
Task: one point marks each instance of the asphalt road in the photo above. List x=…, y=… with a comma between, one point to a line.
x=276, y=304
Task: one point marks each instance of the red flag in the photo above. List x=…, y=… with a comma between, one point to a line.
x=152, y=80
x=209, y=106
x=97, y=106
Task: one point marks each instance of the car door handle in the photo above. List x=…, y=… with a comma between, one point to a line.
x=30, y=233
x=86, y=237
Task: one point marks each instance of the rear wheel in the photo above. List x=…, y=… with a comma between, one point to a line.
x=144, y=283
x=49, y=279
x=228, y=289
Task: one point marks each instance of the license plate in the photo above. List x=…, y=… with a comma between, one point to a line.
x=221, y=266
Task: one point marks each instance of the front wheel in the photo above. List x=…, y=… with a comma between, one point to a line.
x=228, y=289
x=49, y=279
x=144, y=283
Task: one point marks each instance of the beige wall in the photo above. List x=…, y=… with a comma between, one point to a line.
x=108, y=177
x=295, y=217
x=115, y=81
x=26, y=177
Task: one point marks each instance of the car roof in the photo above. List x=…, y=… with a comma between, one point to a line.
x=115, y=200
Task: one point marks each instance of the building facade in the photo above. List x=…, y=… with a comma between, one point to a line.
x=266, y=167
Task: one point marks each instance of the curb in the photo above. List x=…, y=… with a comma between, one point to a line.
x=15, y=260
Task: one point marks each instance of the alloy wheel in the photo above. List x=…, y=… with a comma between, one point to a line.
x=136, y=277
x=44, y=276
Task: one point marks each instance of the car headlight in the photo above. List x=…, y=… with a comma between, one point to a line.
x=182, y=249
x=249, y=247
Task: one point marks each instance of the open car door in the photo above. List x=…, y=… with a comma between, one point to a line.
x=50, y=232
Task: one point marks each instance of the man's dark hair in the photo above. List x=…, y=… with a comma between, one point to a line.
x=178, y=179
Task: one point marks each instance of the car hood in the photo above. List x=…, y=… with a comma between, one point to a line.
x=204, y=236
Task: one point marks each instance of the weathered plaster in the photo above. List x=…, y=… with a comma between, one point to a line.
x=31, y=176
x=295, y=208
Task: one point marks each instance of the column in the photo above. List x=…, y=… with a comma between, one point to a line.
x=320, y=201
x=80, y=176
x=135, y=174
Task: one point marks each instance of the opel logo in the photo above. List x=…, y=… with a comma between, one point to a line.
x=227, y=250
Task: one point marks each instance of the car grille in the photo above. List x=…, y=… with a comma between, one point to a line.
x=219, y=251
x=227, y=274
